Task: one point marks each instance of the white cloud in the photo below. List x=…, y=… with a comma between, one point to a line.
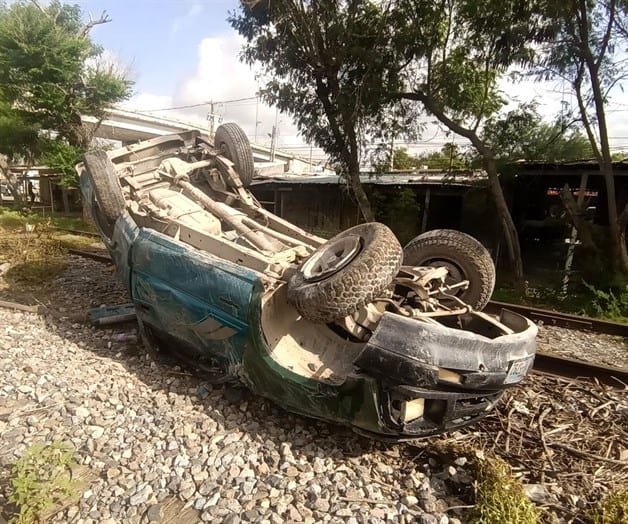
x=195, y=8
x=148, y=102
x=222, y=78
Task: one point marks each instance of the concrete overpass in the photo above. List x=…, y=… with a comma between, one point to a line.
x=131, y=126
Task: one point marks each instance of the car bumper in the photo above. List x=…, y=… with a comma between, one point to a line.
x=429, y=379
x=408, y=352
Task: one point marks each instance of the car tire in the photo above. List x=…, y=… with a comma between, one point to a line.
x=105, y=185
x=233, y=143
x=364, y=261
x=463, y=255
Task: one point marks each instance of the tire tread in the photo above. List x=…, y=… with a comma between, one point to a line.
x=351, y=288
x=239, y=150
x=449, y=241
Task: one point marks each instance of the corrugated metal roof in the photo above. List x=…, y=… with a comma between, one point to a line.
x=417, y=178
x=571, y=165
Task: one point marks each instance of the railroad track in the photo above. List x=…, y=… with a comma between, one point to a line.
x=544, y=362
x=548, y=364
x=105, y=259
x=555, y=318
x=77, y=232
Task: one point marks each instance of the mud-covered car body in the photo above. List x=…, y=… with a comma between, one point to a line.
x=210, y=297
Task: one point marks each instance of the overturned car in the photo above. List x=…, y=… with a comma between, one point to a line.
x=354, y=329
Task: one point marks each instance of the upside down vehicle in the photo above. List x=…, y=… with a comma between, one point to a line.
x=354, y=329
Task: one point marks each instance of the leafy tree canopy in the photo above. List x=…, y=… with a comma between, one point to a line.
x=522, y=134
x=51, y=74
x=449, y=157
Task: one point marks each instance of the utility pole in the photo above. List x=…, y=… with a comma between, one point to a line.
x=211, y=118
x=256, y=117
x=392, y=153
x=273, y=143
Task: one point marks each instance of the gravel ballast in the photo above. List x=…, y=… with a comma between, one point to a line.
x=150, y=433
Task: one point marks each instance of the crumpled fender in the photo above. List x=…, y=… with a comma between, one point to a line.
x=420, y=354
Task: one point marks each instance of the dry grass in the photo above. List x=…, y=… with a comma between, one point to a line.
x=566, y=436
x=612, y=509
x=33, y=247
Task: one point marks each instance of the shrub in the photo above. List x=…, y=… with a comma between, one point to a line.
x=40, y=479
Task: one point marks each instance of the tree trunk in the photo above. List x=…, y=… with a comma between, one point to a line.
x=605, y=160
x=507, y=226
x=618, y=239
x=358, y=191
x=353, y=163
x=620, y=255
x=11, y=185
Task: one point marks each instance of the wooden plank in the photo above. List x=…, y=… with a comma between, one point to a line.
x=20, y=307
x=102, y=316
x=85, y=477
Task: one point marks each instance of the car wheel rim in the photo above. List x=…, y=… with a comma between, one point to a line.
x=331, y=258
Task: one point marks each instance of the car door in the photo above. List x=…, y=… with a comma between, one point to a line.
x=197, y=298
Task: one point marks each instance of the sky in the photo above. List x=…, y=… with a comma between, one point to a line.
x=184, y=52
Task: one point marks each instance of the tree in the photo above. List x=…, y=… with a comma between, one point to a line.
x=338, y=64
x=522, y=134
x=401, y=160
x=326, y=64
x=18, y=139
x=588, y=54
x=456, y=51
x=447, y=158
x=50, y=75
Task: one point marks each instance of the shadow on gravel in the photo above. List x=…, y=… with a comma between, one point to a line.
x=86, y=284
x=222, y=414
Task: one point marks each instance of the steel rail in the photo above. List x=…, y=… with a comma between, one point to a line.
x=77, y=232
x=546, y=363
x=556, y=318
x=106, y=259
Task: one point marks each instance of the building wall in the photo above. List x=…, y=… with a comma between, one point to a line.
x=327, y=209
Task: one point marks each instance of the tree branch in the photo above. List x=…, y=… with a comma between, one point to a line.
x=38, y=6
x=607, y=35
x=583, y=112
x=104, y=19
x=432, y=106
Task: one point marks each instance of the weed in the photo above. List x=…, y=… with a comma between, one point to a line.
x=40, y=479
x=11, y=219
x=35, y=271
x=35, y=255
x=500, y=496
x=608, y=304
x=34, y=248
x=612, y=509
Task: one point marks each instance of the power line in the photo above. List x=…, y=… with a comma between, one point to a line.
x=189, y=106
